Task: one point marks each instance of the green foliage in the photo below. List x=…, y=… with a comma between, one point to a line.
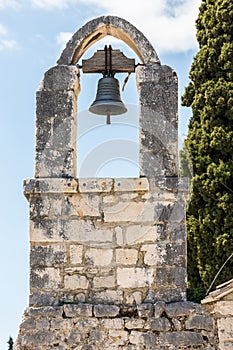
x=185, y=163
x=11, y=343
x=196, y=294
x=210, y=146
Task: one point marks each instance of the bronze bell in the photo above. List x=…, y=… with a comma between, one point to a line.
x=108, y=100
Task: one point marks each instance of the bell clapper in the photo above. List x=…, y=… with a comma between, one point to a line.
x=108, y=120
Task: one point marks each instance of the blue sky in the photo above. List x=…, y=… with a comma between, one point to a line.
x=32, y=35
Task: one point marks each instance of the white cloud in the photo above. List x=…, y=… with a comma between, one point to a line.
x=3, y=29
x=7, y=44
x=9, y=3
x=62, y=38
x=168, y=24
x=50, y=4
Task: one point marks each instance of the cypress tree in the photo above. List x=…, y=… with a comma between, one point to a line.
x=210, y=146
x=10, y=343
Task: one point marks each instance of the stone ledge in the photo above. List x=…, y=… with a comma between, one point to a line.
x=129, y=185
x=89, y=185
x=104, y=185
x=49, y=185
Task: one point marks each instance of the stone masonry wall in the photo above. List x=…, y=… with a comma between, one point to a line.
x=219, y=305
x=116, y=241
x=158, y=326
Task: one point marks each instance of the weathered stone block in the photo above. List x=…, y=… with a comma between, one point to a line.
x=95, y=185
x=72, y=310
x=134, y=277
x=63, y=134
x=53, y=185
x=170, y=295
x=152, y=163
x=143, y=338
x=225, y=332
x=159, y=308
x=128, y=185
x=132, y=212
x=141, y=233
x=96, y=336
x=169, y=183
x=134, y=323
x=104, y=282
x=43, y=131
x=45, y=278
x=160, y=254
x=42, y=324
x=84, y=324
x=177, y=232
x=106, y=310
x=113, y=323
x=155, y=254
x=134, y=298
x=199, y=322
x=38, y=298
x=126, y=256
x=75, y=337
x=44, y=206
x=76, y=254
x=159, y=324
x=180, y=309
x=47, y=255
x=108, y=296
x=56, y=104
x=166, y=276
x=27, y=324
x=180, y=339
x=145, y=310
x=61, y=78
x=119, y=236
x=98, y=257
x=177, y=324
x=81, y=205
x=61, y=324
x=55, y=163
x=169, y=212
x=44, y=311
x=118, y=337
x=223, y=308
x=76, y=282
x=74, y=230
x=38, y=339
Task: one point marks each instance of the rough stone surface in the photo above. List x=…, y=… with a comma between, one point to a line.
x=108, y=327
x=99, y=28
x=114, y=250
x=219, y=305
x=108, y=256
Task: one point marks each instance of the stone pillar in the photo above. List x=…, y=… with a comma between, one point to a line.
x=56, y=123
x=158, y=101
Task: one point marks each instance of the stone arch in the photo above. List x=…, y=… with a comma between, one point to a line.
x=97, y=29
x=57, y=104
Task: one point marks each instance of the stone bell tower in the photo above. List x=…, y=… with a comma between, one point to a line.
x=107, y=256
